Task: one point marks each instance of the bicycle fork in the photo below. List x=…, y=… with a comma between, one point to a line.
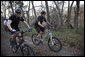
x=52, y=40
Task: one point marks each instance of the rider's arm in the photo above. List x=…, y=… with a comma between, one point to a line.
x=22, y=19
x=48, y=23
x=40, y=24
x=9, y=25
x=26, y=24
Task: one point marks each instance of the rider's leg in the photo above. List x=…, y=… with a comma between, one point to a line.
x=40, y=34
x=41, y=31
x=14, y=38
x=20, y=38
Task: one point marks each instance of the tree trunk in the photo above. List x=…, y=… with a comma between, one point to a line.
x=11, y=6
x=70, y=10
x=34, y=10
x=47, y=10
x=59, y=16
x=76, y=17
x=69, y=15
x=28, y=12
x=41, y=6
x=62, y=14
x=5, y=10
x=15, y=6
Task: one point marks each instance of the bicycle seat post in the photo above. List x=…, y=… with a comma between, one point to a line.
x=43, y=37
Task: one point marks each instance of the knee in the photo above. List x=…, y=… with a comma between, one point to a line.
x=19, y=34
x=41, y=32
x=13, y=35
x=20, y=38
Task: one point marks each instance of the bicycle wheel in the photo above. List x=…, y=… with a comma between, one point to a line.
x=35, y=39
x=27, y=50
x=13, y=45
x=57, y=44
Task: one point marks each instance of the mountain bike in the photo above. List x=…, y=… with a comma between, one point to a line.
x=53, y=42
x=25, y=49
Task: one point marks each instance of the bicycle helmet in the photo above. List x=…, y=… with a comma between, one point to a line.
x=18, y=10
x=43, y=12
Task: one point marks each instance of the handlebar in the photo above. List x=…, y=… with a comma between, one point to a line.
x=23, y=31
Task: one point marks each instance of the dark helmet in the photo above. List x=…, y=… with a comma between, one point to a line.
x=18, y=10
x=43, y=12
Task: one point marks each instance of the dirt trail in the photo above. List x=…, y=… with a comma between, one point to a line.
x=41, y=50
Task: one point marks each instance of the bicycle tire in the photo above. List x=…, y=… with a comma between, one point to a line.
x=34, y=40
x=53, y=49
x=29, y=50
x=13, y=45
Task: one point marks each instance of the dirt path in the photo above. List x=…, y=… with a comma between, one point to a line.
x=5, y=47
x=41, y=50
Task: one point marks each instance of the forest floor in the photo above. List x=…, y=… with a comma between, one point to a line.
x=72, y=45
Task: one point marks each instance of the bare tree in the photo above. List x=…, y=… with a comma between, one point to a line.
x=34, y=9
x=69, y=15
x=11, y=6
x=41, y=5
x=59, y=15
x=76, y=16
x=62, y=12
x=47, y=10
x=4, y=8
x=28, y=12
x=71, y=7
x=68, y=20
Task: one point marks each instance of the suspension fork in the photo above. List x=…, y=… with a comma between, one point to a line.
x=52, y=40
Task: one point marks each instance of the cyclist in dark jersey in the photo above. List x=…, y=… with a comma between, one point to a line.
x=38, y=23
x=13, y=22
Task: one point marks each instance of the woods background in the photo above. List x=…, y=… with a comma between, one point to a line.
x=68, y=22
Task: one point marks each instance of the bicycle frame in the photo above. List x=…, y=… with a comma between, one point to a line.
x=47, y=32
x=22, y=32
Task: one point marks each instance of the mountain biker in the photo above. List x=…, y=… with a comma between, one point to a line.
x=38, y=24
x=13, y=22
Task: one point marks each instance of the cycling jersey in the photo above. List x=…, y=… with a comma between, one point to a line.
x=37, y=27
x=40, y=19
x=15, y=21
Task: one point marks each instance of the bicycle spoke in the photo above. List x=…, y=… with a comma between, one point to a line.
x=57, y=44
x=35, y=39
x=27, y=51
